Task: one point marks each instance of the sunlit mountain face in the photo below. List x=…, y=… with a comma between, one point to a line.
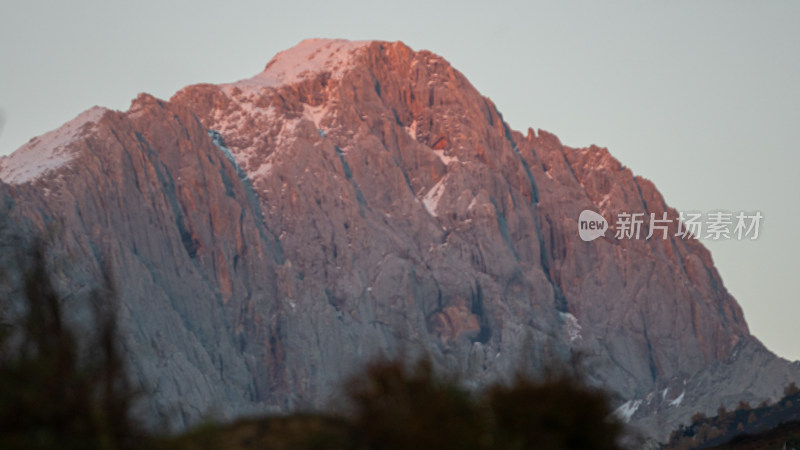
x=270, y=236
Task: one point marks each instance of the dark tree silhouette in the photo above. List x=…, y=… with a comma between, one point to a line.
x=399, y=408
x=58, y=390
x=557, y=413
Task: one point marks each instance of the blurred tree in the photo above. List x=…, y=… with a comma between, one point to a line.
x=400, y=408
x=55, y=390
x=558, y=413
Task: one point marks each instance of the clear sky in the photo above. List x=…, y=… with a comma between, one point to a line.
x=703, y=98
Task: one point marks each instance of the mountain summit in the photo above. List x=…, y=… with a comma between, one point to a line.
x=358, y=199
x=308, y=59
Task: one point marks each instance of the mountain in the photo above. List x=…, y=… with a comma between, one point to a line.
x=356, y=199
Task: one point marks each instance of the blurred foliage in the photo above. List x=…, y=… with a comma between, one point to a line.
x=57, y=391
x=400, y=408
x=298, y=431
x=394, y=406
x=558, y=413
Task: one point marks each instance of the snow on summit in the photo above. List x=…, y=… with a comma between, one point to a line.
x=305, y=60
x=48, y=151
x=309, y=57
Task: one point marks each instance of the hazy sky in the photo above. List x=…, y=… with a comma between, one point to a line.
x=703, y=98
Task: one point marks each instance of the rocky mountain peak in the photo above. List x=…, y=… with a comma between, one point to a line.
x=46, y=153
x=308, y=59
x=359, y=199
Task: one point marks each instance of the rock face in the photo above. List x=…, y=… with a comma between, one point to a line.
x=359, y=199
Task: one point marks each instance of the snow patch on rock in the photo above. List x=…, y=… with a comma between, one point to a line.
x=627, y=410
x=305, y=60
x=273, y=129
x=315, y=114
x=447, y=160
x=262, y=171
x=677, y=401
x=431, y=199
x=571, y=326
x=412, y=130
x=49, y=151
x=219, y=142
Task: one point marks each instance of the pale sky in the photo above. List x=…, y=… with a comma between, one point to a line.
x=703, y=98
